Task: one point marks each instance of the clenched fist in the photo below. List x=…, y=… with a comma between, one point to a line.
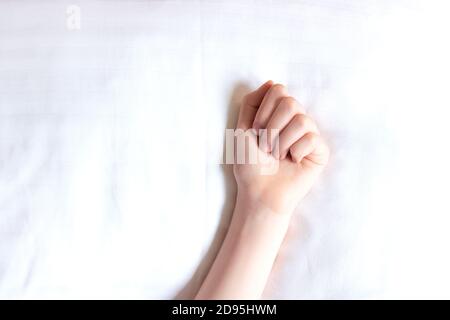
x=286, y=144
x=278, y=154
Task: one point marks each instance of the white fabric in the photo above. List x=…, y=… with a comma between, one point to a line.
x=111, y=139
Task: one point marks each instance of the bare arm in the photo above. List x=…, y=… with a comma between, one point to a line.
x=245, y=260
x=265, y=201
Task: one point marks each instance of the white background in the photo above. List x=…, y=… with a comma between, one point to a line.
x=111, y=139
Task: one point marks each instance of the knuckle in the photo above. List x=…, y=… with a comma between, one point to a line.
x=246, y=99
x=278, y=88
x=289, y=104
x=301, y=120
x=312, y=138
x=257, y=120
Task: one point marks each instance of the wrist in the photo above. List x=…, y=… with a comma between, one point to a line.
x=251, y=209
x=248, y=252
x=254, y=224
x=264, y=203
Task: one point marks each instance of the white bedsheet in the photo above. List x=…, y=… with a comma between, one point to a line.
x=111, y=138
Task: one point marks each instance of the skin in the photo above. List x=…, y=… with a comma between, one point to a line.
x=265, y=202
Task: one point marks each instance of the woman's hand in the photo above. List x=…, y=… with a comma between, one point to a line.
x=284, y=151
x=269, y=188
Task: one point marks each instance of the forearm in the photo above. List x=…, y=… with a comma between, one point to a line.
x=245, y=259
